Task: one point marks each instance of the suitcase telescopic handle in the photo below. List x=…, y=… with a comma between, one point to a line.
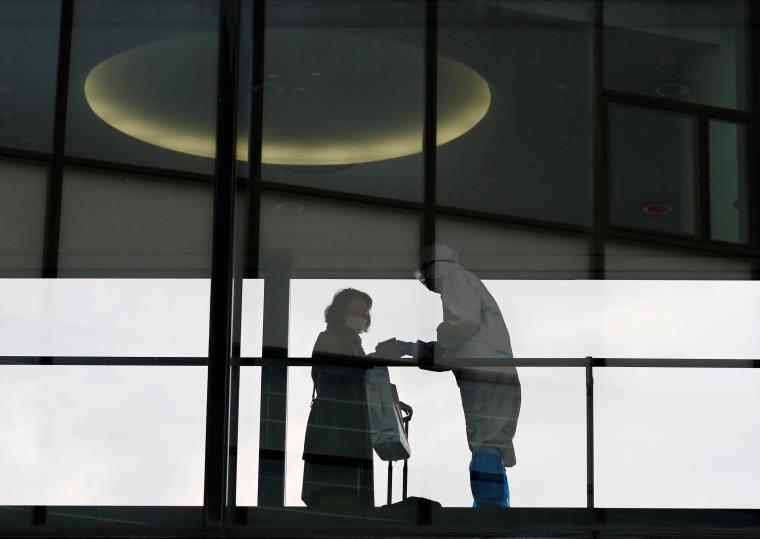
x=406, y=418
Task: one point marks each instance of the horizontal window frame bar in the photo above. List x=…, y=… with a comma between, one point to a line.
x=504, y=219
x=566, y=362
x=515, y=522
x=569, y=362
x=26, y=155
x=683, y=107
x=686, y=242
x=106, y=361
x=248, y=521
x=341, y=196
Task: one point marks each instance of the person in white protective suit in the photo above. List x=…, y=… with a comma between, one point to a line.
x=474, y=329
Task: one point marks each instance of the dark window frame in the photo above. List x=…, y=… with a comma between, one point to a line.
x=222, y=516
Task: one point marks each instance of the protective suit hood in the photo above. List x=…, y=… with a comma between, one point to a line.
x=437, y=273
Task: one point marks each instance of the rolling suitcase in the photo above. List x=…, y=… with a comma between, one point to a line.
x=406, y=419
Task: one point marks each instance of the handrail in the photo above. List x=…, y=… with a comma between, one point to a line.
x=168, y=361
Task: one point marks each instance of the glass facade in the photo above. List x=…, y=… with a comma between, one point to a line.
x=531, y=154
x=224, y=222
x=144, y=72
x=684, y=50
x=651, y=185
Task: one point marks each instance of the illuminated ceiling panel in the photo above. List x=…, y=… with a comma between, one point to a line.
x=330, y=98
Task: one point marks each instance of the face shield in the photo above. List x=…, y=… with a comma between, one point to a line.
x=429, y=275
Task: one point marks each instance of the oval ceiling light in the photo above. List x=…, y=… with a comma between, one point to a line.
x=366, y=104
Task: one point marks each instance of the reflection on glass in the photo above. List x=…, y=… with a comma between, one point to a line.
x=530, y=155
x=686, y=50
x=652, y=169
x=76, y=435
x=134, y=226
x=320, y=238
x=676, y=438
x=729, y=189
x=511, y=252
x=28, y=66
x=343, y=96
x=438, y=469
x=23, y=188
x=142, y=88
x=631, y=260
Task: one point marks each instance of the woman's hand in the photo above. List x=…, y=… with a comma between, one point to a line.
x=387, y=350
x=406, y=409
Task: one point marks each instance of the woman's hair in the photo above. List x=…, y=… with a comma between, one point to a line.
x=336, y=311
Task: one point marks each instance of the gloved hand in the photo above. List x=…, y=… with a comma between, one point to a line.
x=406, y=348
x=428, y=352
x=431, y=350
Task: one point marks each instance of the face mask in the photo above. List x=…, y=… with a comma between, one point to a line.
x=356, y=324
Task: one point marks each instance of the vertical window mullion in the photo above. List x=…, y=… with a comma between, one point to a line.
x=274, y=377
x=430, y=121
x=220, y=319
x=754, y=135
x=600, y=212
x=55, y=185
x=599, y=147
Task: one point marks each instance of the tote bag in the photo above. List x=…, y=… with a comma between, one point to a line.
x=387, y=428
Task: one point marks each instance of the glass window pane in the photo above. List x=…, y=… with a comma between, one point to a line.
x=630, y=260
x=402, y=308
x=142, y=88
x=729, y=186
x=252, y=318
x=104, y=317
x=343, y=95
x=244, y=458
x=323, y=238
x=23, y=189
x=676, y=438
x=511, y=252
x=545, y=475
x=247, y=453
x=310, y=237
x=525, y=70
x=686, y=50
x=608, y=318
x=652, y=169
x=551, y=439
x=126, y=225
x=29, y=33
x=102, y=435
